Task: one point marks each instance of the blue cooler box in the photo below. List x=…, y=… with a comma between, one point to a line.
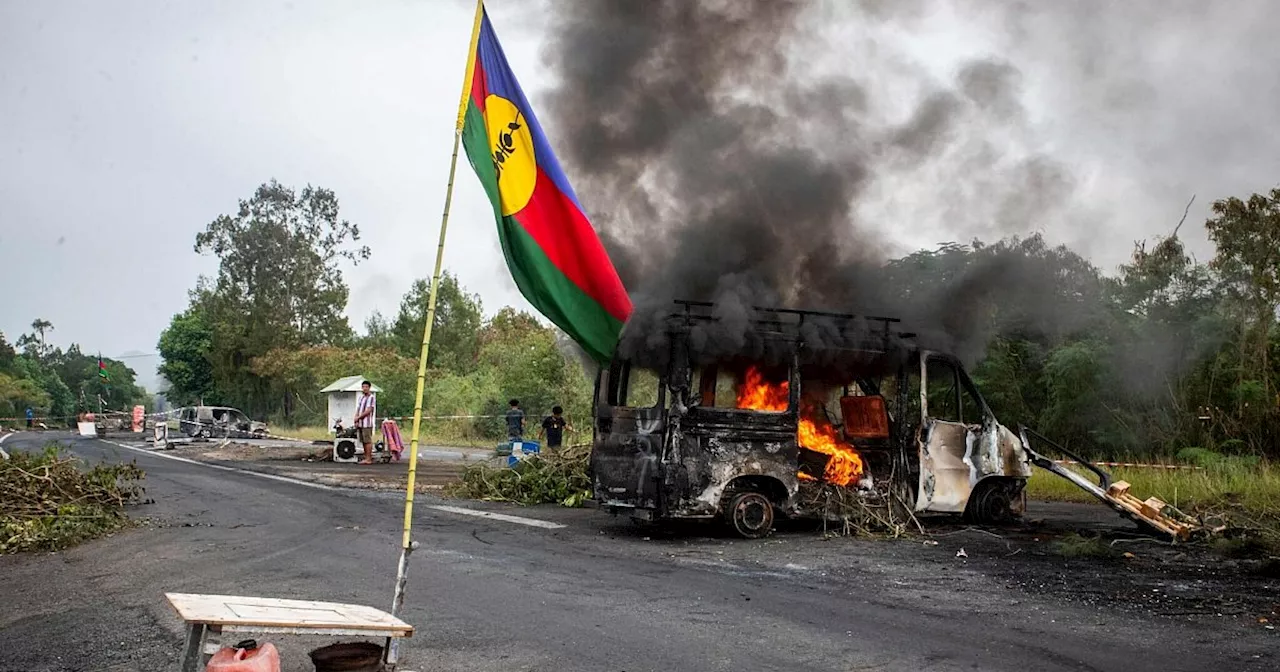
x=522, y=449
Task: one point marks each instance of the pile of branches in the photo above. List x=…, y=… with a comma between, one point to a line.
x=49, y=502
x=879, y=511
x=551, y=478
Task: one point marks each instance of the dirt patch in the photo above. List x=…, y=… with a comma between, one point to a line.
x=235, y=451
x=431, y=476
x=296, y=461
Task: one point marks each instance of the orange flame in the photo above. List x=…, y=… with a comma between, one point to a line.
x=815, y=432
x=758, y=394
x=844, y=464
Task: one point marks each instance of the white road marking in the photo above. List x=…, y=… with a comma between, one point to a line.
x=519, y=520
x=259, y=474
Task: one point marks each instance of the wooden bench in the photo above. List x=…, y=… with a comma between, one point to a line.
x=209, y=616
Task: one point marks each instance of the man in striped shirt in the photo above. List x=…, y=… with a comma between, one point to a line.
x=366, y=408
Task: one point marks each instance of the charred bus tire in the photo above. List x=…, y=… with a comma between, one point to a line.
x=992, y=502
x=750, y=514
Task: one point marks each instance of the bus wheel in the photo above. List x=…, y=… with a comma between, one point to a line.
x=751, y=515
x=991, y=503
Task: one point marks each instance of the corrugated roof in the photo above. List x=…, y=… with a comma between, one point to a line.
x=348, y=384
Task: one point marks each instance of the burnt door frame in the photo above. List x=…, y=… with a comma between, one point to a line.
x=622, y=431
x=947, y=468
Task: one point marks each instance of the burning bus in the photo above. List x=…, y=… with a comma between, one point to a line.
x=798, y=403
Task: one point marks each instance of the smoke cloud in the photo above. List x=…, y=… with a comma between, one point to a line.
x=752, y=153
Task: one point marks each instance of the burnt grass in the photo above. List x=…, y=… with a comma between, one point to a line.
x=1120, y=568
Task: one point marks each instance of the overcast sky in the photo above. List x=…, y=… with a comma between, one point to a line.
x=126, y=126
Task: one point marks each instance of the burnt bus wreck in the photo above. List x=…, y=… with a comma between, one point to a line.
x=807, y=401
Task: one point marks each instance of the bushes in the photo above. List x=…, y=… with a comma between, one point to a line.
x=48, y=502
x=545, y=479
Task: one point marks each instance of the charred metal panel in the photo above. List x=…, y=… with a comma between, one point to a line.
x=627, y=446
x=1003, y=454
x=716, y=447
x=944, y=469
x=955, y=457
x=625, y=458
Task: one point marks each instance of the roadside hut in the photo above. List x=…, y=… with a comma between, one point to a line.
x=343, y=394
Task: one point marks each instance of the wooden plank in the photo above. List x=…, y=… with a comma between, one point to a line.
x=238, y=610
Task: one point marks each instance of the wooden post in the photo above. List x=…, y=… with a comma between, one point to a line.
x=392, y=653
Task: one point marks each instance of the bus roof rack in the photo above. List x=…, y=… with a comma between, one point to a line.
x=701, y=311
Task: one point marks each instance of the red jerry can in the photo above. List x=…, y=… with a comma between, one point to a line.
x=247, y=656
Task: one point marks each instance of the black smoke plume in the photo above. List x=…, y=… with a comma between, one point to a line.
x=722, y=161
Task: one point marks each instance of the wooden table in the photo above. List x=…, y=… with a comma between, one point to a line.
x=208, y=616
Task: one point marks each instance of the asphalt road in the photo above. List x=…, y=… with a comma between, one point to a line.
x=592, y=596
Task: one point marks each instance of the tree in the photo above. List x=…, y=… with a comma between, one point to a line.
x=7, y=355
x=1247, y=236
x=377, y=332
x=454, y=333
x=185, y=347
x=35, y=343
x=79, y=372
x=19, y=394
x=279, y=283
x=297, y=374
x=528, y=364
x=62, y=403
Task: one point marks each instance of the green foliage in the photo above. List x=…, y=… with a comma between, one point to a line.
x=56, y=383
x=1075, y=380
x=19, y=394
x=49, y=501
x=7, y=355
x=516, y=356
x=79, y=372
x=528, y=363
x=185, y=347
x=279, y=285
x=296, y=375
x=454, y=332
x=36, y=344
x=61, y=401
x=536, y=480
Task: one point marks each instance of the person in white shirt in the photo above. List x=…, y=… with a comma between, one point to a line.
x=366, y=408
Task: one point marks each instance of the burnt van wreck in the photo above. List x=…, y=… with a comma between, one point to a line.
x=748, y=428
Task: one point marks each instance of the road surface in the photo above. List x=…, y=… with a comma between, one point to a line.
x=594, y=595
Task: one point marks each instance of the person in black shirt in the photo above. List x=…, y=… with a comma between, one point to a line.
x=515, y=421
x=553, y=427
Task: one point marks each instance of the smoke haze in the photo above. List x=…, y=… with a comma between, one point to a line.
x=778, y=153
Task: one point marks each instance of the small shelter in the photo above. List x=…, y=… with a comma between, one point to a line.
x=343, y=394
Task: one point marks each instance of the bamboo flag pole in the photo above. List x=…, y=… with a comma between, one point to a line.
x=407, y=544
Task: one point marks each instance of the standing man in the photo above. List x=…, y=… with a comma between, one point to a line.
x=366, y=408
x=515, y=421
x=553, y=426
x=31, y=418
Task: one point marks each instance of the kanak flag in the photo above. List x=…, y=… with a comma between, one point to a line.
x=553, y=252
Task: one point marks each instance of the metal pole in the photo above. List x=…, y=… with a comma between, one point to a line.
x=407, y=544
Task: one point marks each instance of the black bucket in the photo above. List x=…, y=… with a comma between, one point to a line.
x=348, y=657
